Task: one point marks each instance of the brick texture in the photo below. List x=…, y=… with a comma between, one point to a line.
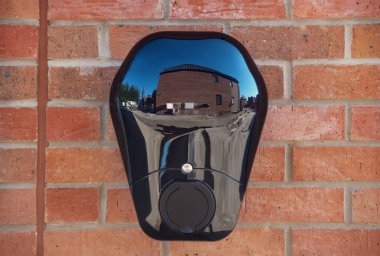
x=335, y=9
x=65, y=42
x=18, y=165
x=71, y=205
x=335, y=242
x=227, y=9
x=366, y=41
x=18, y=83
x=365, y=205
x=304, y=123
x=18, y=124
x=306, y=42
x=337, y=82
x=24, y=9
x=120, y=206
x=243, y=241
x=274, y=81
x=88, y=83
x=110, y=131
x=129, y=242
x=293, y=205
x=73, y=124
x=17, y=206
x=84, y=165
x=104, y=9
x=336, y=163
x=18, y=42
x=18, y=243
x=269, y=164
x=123, y=38
x=365, y=123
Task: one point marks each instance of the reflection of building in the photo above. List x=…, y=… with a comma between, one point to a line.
x=192, y=89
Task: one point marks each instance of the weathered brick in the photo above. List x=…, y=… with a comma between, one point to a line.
x=335, y=9
x=18, y=165
x=336, y=163
x=285, y=42
x=65, y=42
x=18, y=42
x=66, y=205
x=365, y=204
x=227, y=9
x=129, y=242
x=104, y=9
x=84, y=165
x=18, y=243
x=89, y=83
x=365, y=123
x=335, y=242
x=73, y=123
x=242, y=241
x=366, y=41
x=269, y=164
x=18, y=83
x=304, y=123
x=19, y=9
x=293, y=205
x=123, y=38
x=120, y=206
x=17, y=206
x=337, y=82
x=274, y=81
x=18, y=124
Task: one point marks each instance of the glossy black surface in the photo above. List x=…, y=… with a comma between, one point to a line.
x=188, y=97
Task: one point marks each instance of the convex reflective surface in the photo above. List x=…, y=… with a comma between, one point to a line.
x=193, y=99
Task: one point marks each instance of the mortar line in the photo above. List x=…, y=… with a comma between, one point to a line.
x=18, y=63
x=288, y=241
x=103, y=42
x=314, y=184
x=308, y=225
x=347, y=122
x=347, y=41
x=165, y=248
x=288, y=172
x=324, y=102
x=103, y=121
x=340, y=143
x=347, y=204
x=17, y=228
x=75, y=144
x=89, y=226
x=288, y=80
x=166, y=9
x=227, y=28
x=289, y=9
x=19, y=103
x=102, y=204
x=18, y=145
x=30, y=22
x=18, y=185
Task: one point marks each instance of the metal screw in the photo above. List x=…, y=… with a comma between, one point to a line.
x=187, y=168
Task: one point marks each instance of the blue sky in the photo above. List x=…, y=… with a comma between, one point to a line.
x=216, y=54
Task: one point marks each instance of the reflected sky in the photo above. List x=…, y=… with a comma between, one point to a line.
x=216, y=54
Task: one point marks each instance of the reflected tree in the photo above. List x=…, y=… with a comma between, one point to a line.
x=129, y=93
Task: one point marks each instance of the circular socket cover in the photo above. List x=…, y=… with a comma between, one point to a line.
x=187, y=207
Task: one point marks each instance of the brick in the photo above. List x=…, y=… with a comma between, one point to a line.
x=67, y=205
x=19, y=9
x=274, y=81
x=269, y=164
x=120, y=206
x=304, y=123
x=18, y=124
x=65, y=42
x=18, y=243
x=337, y=82
x=88, y=83
x=227, y=9
x=129, y=242
x=242, y=241
x=366, y=41
x=84, y=165
x=335, y=9
x=18, y=165
x=104, y=9
x=110, y=131
x=123, y=38
x=18, y=42
x=18, y=83
x=336, y=163
x=293, y=205
x=335, y=242
x=17, y=206
x=365, y=205
x=285, y=42
x=73, y=124
x=365, y=123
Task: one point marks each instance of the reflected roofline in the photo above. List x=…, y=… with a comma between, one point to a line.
x=197, y=68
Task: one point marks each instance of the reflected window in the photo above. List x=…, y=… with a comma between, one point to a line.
x=215, y=79
x=231, y=84
x=232, y=100
x=218, y=99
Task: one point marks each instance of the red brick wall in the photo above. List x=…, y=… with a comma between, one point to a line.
x=315, y=187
